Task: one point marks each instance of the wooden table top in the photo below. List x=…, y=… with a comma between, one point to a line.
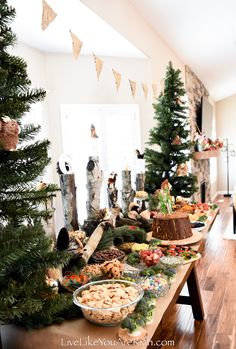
x=81, y=333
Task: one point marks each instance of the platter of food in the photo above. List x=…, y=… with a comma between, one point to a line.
x=185, y=252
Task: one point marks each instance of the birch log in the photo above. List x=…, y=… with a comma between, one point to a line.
x=68, y=193
x=127, y=192
x=112, y=191
x=94, y=183
x=112, y=197
x=93, y=241
x=49, y=224
x=140, y=180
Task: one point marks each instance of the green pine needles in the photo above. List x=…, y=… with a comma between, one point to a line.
x=25, y=251
x=19, y=169
x=25, y=299
x=170, y=140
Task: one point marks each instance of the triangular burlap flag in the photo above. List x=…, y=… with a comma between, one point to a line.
x=133, y=87
x=48, y=15
x=154, y=90
x=98, y=65
x=117, y=77
x=145, y=90
x=76, y=44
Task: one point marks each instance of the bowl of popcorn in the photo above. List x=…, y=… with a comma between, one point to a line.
x=141, y=195
x=107, y=302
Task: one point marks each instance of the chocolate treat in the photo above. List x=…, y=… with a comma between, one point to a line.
x=107, y=255
x=173, y=226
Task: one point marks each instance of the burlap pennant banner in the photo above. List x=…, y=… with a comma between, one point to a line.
x=98, y=65
x=145, y=90
x=117, y=77
x=154, y=90
x=132, y=87
x=48, y=15
x=76, y=44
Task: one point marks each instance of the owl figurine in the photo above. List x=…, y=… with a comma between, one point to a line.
x=182, y=170
x=9, y=131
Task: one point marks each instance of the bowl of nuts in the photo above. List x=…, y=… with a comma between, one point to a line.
x=108, y=255
x=107, y=302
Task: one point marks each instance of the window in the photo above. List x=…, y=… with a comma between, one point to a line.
x=118, y=130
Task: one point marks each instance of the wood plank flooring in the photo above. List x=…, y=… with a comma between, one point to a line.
x=216, y=272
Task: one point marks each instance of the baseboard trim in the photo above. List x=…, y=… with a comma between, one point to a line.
x=222, y=192
x=214, y=196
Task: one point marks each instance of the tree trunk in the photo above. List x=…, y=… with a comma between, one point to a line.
x=112, y=197
x=140, y=180
x=127, y=192
x=94, y=183
x=68, y=193
x=49, y=224
x=93, y=241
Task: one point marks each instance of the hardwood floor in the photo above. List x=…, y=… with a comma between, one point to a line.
x=216, y=272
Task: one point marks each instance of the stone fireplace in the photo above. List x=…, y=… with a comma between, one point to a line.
x=201, y=168
x=203, y=191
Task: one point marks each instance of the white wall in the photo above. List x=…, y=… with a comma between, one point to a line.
x=127, y=20
x=71, y=82
x=226, y=128
x=35, y=63
x=213, y=161
x=37, y=74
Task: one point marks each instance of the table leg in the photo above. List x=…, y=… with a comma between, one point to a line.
x=194, y=299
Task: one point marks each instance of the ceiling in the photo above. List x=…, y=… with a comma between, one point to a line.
x=98, y=37
x=202, y=33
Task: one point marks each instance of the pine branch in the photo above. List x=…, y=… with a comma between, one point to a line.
x=26, y=253
x=28, y=133
x=23, y=165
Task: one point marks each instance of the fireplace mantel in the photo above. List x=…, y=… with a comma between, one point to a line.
x=202, y=155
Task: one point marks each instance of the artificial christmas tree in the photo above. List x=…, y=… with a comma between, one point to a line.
x=172, y=136
x=26, y=254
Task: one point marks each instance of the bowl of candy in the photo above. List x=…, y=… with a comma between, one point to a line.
x=72, y=281
x=158, y=284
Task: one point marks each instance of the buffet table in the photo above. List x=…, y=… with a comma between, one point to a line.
x=81, y=333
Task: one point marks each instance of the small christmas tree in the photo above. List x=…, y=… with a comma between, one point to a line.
x=26, y=253
x=172, y=136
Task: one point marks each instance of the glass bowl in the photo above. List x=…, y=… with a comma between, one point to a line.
x=158, y=284
x=107, y=302
x=171, y=261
